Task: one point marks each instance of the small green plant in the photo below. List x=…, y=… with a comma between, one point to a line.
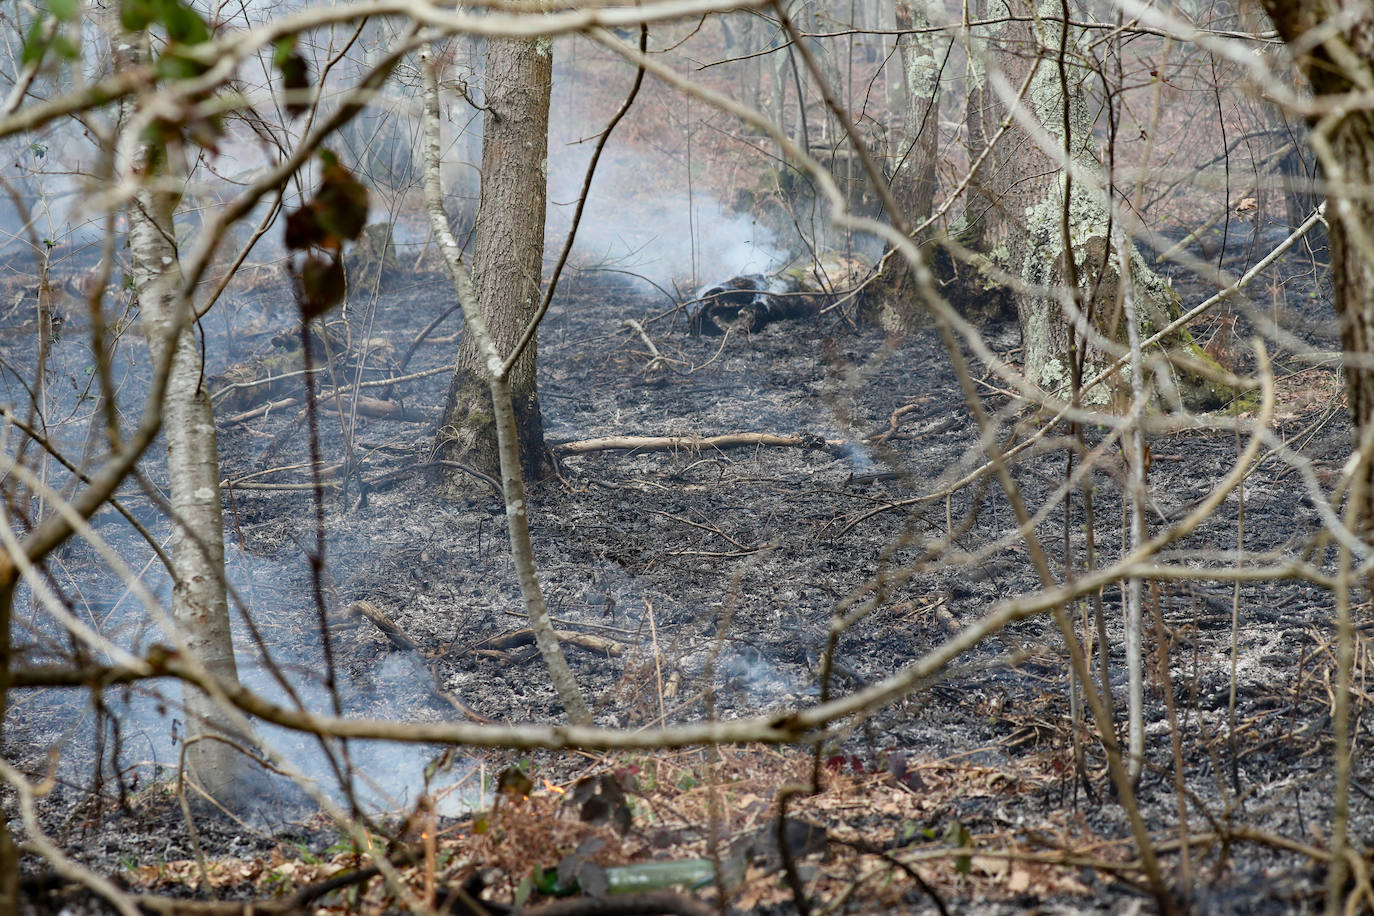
x=344, y=845
x=957, y=835
x=308, y=857
x=524, y=890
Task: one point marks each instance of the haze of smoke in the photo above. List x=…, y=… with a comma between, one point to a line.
x=388, y=776
x=634, y=227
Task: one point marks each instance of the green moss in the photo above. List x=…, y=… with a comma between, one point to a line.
x=1202, y=393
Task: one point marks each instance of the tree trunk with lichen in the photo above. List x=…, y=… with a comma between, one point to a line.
x=914, y=153
x=1053, y=227
x=913, y=181
x=507, y=265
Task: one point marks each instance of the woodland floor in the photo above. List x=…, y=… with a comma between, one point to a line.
x=708, y=579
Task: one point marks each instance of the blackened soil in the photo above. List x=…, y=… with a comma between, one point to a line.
x=716, y=574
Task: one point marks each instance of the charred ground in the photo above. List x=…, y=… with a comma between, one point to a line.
x=705, y=582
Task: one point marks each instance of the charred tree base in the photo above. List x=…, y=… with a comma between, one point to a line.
x=467, y=437
x=894, y=299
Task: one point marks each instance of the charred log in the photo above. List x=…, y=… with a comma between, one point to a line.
x=747, y=303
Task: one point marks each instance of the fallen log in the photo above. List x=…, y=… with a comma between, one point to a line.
x=525, y=637
x=750, y=301
x=394, y=634
x=367, y=407
x=697, y=443
x=262, y=409
x=374, y=407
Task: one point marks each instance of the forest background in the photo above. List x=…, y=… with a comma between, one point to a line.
x=686, y=456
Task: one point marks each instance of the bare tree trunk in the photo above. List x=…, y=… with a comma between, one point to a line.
x=199, y=607
x=1350, y=148
x=1337, y=66
x=503, y=417
x=1299, y=174
x=777, y=98
x=1297, y=181
x=894, y=80
x=507, y=265
x=809, y=20
x=978, y=133
x=751, y=68
x=913, y=181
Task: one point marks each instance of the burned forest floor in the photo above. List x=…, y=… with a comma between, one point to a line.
x=699, y=582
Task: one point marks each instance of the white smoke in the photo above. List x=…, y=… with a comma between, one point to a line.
x=678, y=237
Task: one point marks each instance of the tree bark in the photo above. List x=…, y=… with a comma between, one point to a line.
x=920, y=55
x=913, y=182
x=503, y=417
x=894, y=80
x=809, y=17
x=978, y=131
x=1053, y=227
x=507, y=264
x=1348, y=164
x=1294, y=167
x=1339, y=64
x=199, y=606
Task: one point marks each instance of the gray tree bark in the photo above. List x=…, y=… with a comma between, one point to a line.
x=915, y=150
x=913, y=181
x=809, y=18
x=894, y=80
x=1298, y=186
x=507, y=265
x=1350, y=143
x=978, y=132
x=1053, y=227
x=199, y=606
x=1339, y=64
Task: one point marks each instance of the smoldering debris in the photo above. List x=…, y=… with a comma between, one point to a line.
x=746, y=303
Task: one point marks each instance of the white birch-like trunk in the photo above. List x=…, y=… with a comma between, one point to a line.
x=199, y=607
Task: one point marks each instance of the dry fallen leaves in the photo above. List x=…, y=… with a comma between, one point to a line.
x=863, y=807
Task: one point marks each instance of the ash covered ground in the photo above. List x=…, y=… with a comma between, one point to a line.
x=707, y=580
